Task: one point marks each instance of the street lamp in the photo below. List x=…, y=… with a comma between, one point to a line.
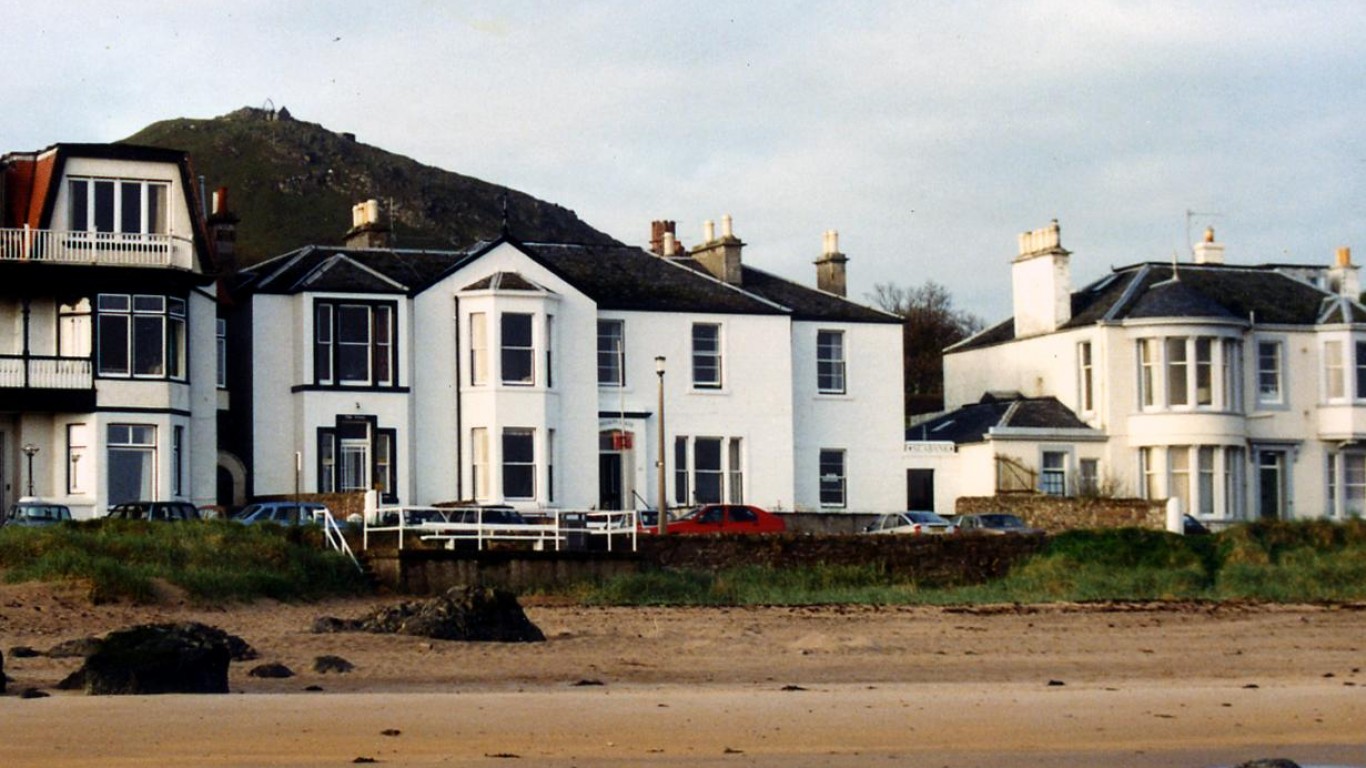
x=663, y=508
x=30, y=450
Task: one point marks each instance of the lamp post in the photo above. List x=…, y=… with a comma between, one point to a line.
x=30, y=450
x=663, y=508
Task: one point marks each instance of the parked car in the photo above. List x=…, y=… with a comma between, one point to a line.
x=911, y=522
x=1192, y=527
x=29, y=512
x=724, y=518
x=412, y=517
x=996, y=523
x=493, y=514
x=157, y=511
x=281, y=513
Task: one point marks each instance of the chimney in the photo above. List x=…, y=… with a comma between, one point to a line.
x=720, y=256
x=222, y=225
x=366, y=230
x=830, y=266
x=659, y=229
x=1343, y=278
x=1041, y=282
x=1208, y=251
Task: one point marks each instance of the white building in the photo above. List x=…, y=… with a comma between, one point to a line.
x=526, y=373
x=1240, y=390
x=107, y=329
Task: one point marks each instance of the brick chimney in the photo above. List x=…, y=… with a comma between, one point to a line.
x=721, y=256
x=1344, y=279
x=830, y=266
x=367, y=231
x=222, y=224
x=1207, y=251
x=663, y=240
x=1041, y=282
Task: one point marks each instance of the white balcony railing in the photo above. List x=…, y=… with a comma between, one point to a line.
x=42, y=372
x=98, y=248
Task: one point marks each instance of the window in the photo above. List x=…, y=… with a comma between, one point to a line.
x=519, y=464
x=355, y=456
x=706, y=356
x=1270, y=379
x=681, y=470
x=479, y=349
x=1176, y=372
x=1148, y=466
x=707, y=470
x=1147, y=361
x=1088, y=477
x=353, y=344
x=735, y=475
x=1332, y=370
x=142, y=336
x=550, y=465
x=1086, y=376
x=1192, y=366
x=832, y=478
x=177, y=460
x=355, y=465
x=384, y=475
x=1204, y=371
x=77, y=443
x=131, y=465
x=479, y=462
x=550, y=350
x=611, y=353
x=1353, y=484
x=1053, y=476
x=124, y=206
x=327, y=460
x=73, y=329
x=1235, y=483
x=1179, y=475
x=518, y=353
x=221, y=339
x=830, y=362
x=1361, y=370
x=1205, y=481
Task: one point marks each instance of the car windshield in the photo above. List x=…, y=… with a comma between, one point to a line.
x=1002, y=521
x=38, y=512
x=926, y=518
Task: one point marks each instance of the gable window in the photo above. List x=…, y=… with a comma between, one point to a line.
x=1053, y=477
x=1270, y=377
x=832, y=478
x=706, y=356
x=1333, y=370
x=479, y=349
x=519, y=464
x=1086, y=376
x=611, y=353
x=124, y=206
x=141, y=336
x=830, y=362
x=517, y=358
x=353, y=344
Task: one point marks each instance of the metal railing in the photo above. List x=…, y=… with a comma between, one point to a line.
x=560, y=529
x=332, y=533
x=130, y=249
x=45, y=372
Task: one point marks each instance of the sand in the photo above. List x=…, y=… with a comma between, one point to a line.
x=1132, y=685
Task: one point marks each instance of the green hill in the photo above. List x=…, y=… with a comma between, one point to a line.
x=293, y=183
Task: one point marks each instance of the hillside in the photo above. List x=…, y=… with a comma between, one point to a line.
x=293, y=183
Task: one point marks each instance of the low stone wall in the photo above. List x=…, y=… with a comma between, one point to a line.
x=827, y=522
x=433, y=571
x=1056, y=513
x=342, y=505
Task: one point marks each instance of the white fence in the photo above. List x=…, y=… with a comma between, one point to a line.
x=101, y=248
x=45, y=372
x=481, y=526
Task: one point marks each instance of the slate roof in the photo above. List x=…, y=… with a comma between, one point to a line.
x=971, y=423
x=617, y=277
x=1214, y=291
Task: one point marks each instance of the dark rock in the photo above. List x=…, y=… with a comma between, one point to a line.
x=391, y=732
x=1056, y=683
x=73, y=682
x=24, y=652
x=4, y=680
x=587, y=682
x=478, y=614
x=33, y=693
x=241, y=650
x=74, y=649
x=365, y=760
x=325, y=664
x=159, y=658
x=273, y=670
x=1269, y=762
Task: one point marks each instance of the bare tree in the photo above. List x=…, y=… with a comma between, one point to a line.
x=930, y=323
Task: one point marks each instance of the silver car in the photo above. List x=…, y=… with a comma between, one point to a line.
x=35, y=513
x=997, y=523
x=912, y=522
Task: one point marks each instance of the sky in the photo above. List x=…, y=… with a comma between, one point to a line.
x=929, y=134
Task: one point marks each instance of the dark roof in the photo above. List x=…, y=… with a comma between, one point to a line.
x=615, y=276
x=971, y=423
x=1262, y=294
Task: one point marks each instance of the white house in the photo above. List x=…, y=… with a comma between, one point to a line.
x=107, y=329
x=1240, y=390
x=530, y=374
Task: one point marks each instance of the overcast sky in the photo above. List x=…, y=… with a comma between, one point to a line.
x=929, y=134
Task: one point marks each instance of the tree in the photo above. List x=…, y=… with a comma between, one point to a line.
x=929, y=324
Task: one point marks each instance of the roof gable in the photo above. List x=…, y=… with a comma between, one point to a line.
x=973, y=423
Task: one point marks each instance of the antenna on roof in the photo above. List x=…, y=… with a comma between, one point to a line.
x=1189, y=215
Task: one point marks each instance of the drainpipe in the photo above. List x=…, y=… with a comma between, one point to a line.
x=459, y=430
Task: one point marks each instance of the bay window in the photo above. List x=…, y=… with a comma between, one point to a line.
x=1203, y=372
x=518, y=353
x=139, y=335
x=131, y=451
x=519, y=463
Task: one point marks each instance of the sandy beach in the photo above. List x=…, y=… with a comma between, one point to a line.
x=1133, y=685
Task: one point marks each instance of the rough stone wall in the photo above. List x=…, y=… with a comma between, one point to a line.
x=341, y=504
x=1057, y=513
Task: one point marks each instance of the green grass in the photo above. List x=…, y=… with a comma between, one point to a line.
x=214, y=561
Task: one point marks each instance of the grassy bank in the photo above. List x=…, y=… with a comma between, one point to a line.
x=213, y=561
x=1271, y=562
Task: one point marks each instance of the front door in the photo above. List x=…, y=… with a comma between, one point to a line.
x=609, y=481
x=1271, y=485
x=920, y=489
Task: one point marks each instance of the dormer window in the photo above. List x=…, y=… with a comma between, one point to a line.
x=124, y=206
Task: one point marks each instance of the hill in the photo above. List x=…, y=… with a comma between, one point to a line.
x=293, y=183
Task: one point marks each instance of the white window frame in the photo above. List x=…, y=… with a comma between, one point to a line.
x=479, y=463
x=479, y=349
x=507, y=350
x=529, y=466
x=1334, y=370
x=1270, y=372
x=611, y=353
x=713, y=375
x=1086, y=376
x=830, y=362
x=836, y=480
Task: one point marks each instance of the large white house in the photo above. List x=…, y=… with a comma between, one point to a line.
x=107, y=329
x=529, y=374
x=1240, y=390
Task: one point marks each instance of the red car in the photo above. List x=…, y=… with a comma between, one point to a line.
x=724, y=518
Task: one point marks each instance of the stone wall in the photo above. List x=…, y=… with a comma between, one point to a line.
x=1057, y=513
x=342, y=505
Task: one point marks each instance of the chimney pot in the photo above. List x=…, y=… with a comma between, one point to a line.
x=726, y=229
x=669, y=245
x=1344, y=257
x=708, y=231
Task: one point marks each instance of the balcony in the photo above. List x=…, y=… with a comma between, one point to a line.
x=44, y=383
x=117, y=249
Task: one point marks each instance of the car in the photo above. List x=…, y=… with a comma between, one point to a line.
x=995, y=523
x=912, y=522
x=1192, y=527
x=29, y=512
x=156, y=511
x=724, y=518
x=281, y=512
x=492, y=514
